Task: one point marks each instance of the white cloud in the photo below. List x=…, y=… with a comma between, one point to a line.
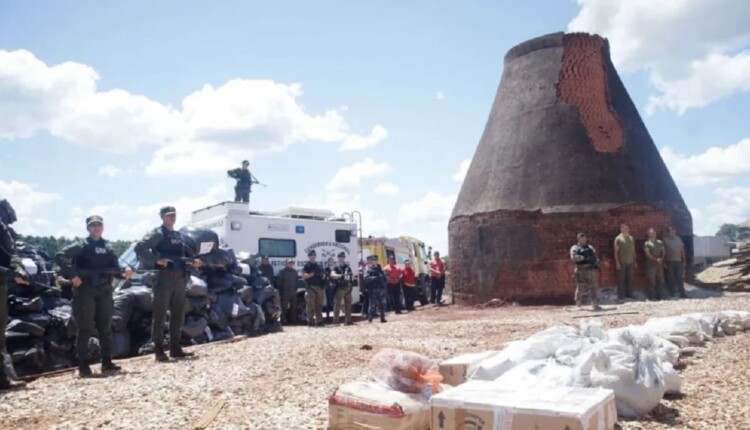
x=439, y=95
x=110, y=170
x=695, y=51
x=350, y=177
x=462, y=170
x=709, y=167
x=238, y=119
x=27, y=200
x=432, y=208
x=732, y=206
x=387, y=189
x=131, y=222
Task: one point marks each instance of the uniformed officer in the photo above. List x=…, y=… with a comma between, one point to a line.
x=266, y=270
x=375, y=285
x=342, y=274
x=165, y=249
x=92, y=291
x=654, y=250
x=10, y=266
x=313, y=275
x=585, y=273
x=245, y=181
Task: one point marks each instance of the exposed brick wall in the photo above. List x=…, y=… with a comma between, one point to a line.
x=525, y=255
x=582, y=83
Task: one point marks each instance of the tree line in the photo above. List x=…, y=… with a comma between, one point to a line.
x=734, y=232
x=52, y=245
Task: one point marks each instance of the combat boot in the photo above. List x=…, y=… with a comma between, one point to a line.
x=595, y=306
x=84, y=371
x=177, y=352
x=159, y=354
x=10, y=384
x=109, y=366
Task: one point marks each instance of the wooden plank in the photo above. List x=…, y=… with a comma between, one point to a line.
x=204, y=421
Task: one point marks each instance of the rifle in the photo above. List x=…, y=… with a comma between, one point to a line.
x=177, y=263
x=95, y=275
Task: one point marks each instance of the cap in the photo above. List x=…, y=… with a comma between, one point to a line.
x=264, y=257
x=580, y=235
x=245, y=162
x=289, y=260
x=167, y=210
x=311, y=253
x=342, y=254
x=407, y=261
x=94, y=219
x=372, y=257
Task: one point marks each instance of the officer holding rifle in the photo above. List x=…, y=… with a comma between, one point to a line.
x=165, y=249
x=91, y=264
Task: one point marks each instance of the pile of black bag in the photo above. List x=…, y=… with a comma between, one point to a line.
x=41, y=332
x=226, y=298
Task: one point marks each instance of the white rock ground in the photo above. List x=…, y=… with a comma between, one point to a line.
x=282, y=381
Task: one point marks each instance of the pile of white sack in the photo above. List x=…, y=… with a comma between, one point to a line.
x=636, y=362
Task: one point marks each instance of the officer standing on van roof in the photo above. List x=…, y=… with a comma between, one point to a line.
x=313, y=273
x=165, y=248
x=245, y=181
x=92, y=291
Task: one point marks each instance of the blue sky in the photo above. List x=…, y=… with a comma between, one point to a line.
x=118, y=108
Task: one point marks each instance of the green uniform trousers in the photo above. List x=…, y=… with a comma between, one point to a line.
x=93, y=308
x=343, y=297
x=674, y=278
x=169, y=294
x=587, y=285
x=625, y=280
x=655, y=277
x=314, y=298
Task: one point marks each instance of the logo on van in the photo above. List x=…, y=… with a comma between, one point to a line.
x=327, y=249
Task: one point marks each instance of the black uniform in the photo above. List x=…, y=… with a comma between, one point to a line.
x=266, y=270
x=244, y=183
x=169, y=283
x=92, y=300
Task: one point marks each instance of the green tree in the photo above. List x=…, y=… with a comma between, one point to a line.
x=52, y=245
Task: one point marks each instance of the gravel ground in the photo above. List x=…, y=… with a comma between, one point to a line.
x=282, y=381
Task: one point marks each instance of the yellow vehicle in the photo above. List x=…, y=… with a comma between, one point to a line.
x=402, y=248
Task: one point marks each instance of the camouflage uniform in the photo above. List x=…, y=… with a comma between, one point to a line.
x=375, y=285
x=92, y=300
x=169, y=283
x=343, y=293
x=585, y=274
x=315, y=293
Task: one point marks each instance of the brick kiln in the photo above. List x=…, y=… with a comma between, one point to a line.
x=564, y=150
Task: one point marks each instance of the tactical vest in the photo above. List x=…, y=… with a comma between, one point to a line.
x=171, y=245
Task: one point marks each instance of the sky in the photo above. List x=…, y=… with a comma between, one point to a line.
x=119, y=108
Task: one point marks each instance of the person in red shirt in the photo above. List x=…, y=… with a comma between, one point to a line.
x=410, y=285
x=437, y=279
x=393, y=286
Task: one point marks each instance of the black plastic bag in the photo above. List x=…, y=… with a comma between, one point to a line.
x=194, y=326
x=38, y=318
x=222, y=334
x=143, y=297
x=198, y=305
x=231, y=305
x=53, y=302
x=123, y=310
x=220, y=282
x=220, y=259
x=217, y=318
x=196, y=287
x=193, y=237
x=121, y=344
x=63, y=317
x=19, y=326
x=18, y=305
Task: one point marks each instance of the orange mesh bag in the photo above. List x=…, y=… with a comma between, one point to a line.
x=407, y=372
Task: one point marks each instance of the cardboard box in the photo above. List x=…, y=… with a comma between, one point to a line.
x=484, y=405
x=455, y=370
x=371, y=406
